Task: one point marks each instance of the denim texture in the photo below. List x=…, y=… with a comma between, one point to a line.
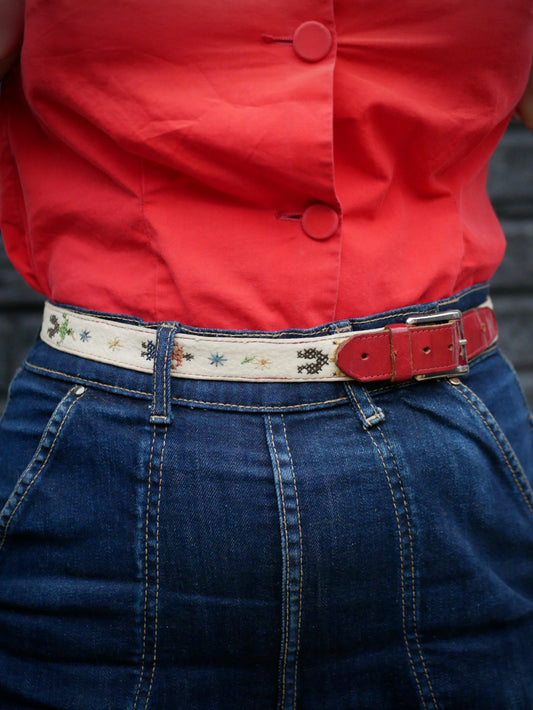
x=172, y=544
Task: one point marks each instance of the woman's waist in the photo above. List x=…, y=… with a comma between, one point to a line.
x=124, y=354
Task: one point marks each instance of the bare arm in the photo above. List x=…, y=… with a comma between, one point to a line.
x=11, y=29
x=524, y=109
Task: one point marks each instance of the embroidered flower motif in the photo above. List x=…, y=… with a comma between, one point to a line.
x=64, y=329
x=216, y=359
x=177, y=356
x=149, y=349
x=262, y=363
x=312, y=368
x=85, y=336
x=114, y=344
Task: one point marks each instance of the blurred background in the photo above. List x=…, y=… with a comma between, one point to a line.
x=511, y=190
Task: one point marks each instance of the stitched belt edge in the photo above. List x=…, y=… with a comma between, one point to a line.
x=395, y=353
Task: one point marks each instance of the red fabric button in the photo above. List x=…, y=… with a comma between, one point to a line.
x=320, y=221
x=312, y=41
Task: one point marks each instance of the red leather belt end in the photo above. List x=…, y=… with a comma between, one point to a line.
x=434, y=345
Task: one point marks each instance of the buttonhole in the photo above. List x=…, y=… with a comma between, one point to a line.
x=293, y=217
x=364, y=356
x=427, y=350
x=269, y=39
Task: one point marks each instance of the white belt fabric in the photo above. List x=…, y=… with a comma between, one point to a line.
x=201, y=357
x=224, y=357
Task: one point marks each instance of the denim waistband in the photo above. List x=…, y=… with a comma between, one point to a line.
x=226, y=395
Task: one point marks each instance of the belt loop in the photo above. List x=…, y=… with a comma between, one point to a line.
x=161, y=412
x=363, y=406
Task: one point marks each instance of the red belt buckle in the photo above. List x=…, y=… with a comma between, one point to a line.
x=455, y=317
x=423, y=347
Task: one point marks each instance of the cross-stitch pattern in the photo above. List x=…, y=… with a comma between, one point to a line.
x=312, y=368
x=149, y=349
x=55, y=326
x=247, y=360
x=62, y=329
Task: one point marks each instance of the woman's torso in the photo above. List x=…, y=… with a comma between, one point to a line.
x=158, y=157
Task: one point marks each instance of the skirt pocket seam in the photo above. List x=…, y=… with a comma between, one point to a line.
x=497, y=434
x=28, y=478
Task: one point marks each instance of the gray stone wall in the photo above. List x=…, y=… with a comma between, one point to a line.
x=511, y=190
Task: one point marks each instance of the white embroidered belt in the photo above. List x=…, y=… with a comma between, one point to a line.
x=433, y=345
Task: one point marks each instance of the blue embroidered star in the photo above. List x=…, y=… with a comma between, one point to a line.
x=217, y=359
x=85, y=336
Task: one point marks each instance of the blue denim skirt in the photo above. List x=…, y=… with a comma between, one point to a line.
x=270, y=545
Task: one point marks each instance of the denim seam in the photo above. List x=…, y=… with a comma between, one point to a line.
x=411, y=548
x=300, y=591
x=146, y=581
x=378, y=414
x=402, y=577
x=156, y=611
x=455, y=299
x=40, y=447
x=361, y=411
x=355, y=402
x=146, y=394
x=520, y=387
x=285, y=639
x=524, y=490
x=389, y=387
x=376, y=417
x=31, y=367
x=413, y=575
x=34, y=457
x=266, y=408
